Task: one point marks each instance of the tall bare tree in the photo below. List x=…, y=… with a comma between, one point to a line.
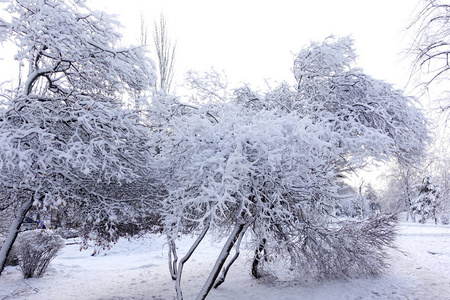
x=431, y=49
x=165, y=51
x=143, y=36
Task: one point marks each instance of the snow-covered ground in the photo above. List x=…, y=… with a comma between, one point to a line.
x=138, y=269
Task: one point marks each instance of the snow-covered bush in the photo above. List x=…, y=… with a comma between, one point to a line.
x=67, y=233
x=426, y=204
x=348, y=249
x=445, y=218
x=35, y=249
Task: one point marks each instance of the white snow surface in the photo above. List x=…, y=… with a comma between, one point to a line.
x=138, y=269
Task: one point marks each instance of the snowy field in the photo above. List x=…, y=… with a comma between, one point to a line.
x=138, y=269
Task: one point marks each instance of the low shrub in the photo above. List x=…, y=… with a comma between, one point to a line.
x=35, y=249
x=445, y=218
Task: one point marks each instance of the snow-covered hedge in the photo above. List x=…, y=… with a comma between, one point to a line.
x=35, y=249
x=445, y=218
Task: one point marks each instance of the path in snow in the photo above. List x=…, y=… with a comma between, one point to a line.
x=425, y=260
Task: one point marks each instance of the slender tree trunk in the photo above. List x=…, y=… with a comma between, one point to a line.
x=221, y=260
x=173, y=262
x=13, y=232
x=227, y=268
x=257, y=259
x=410, y=212
x=186, y=258
x=408, y=204
x=413, y=216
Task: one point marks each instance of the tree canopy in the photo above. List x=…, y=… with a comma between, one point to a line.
x=64, y=135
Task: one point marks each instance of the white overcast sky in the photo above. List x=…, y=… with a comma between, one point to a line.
x=252, y=41
x=255, y=40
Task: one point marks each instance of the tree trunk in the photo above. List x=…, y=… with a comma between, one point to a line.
x=221, y=261
x=173, y=262
x=410, y=212
x=256, y=260
x=186, y=258
x=13, y=232
x=227, y=268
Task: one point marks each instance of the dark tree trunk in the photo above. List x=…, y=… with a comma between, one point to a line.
x=186, y=258
x=257, y=259
x=221, y=261
x=227, y=268
x=13, y=232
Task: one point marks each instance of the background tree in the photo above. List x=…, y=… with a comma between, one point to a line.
x=361, y=205
x=400, y=191
x=165, y=53
x=431, y=28
x=420, y=190
x=65, y=141
x=426, y=205
x=441, y=177
x=363, y=200
x=372, y=198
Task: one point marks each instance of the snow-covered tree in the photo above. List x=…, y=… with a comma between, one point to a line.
x=441, y=178
x=372, y=119
x=371, y=198
x=232, y=166
x=361, y=203
x=426, y=204
x=65, y=141
x=418, y=191
x=271, y=165
x=400, y=191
